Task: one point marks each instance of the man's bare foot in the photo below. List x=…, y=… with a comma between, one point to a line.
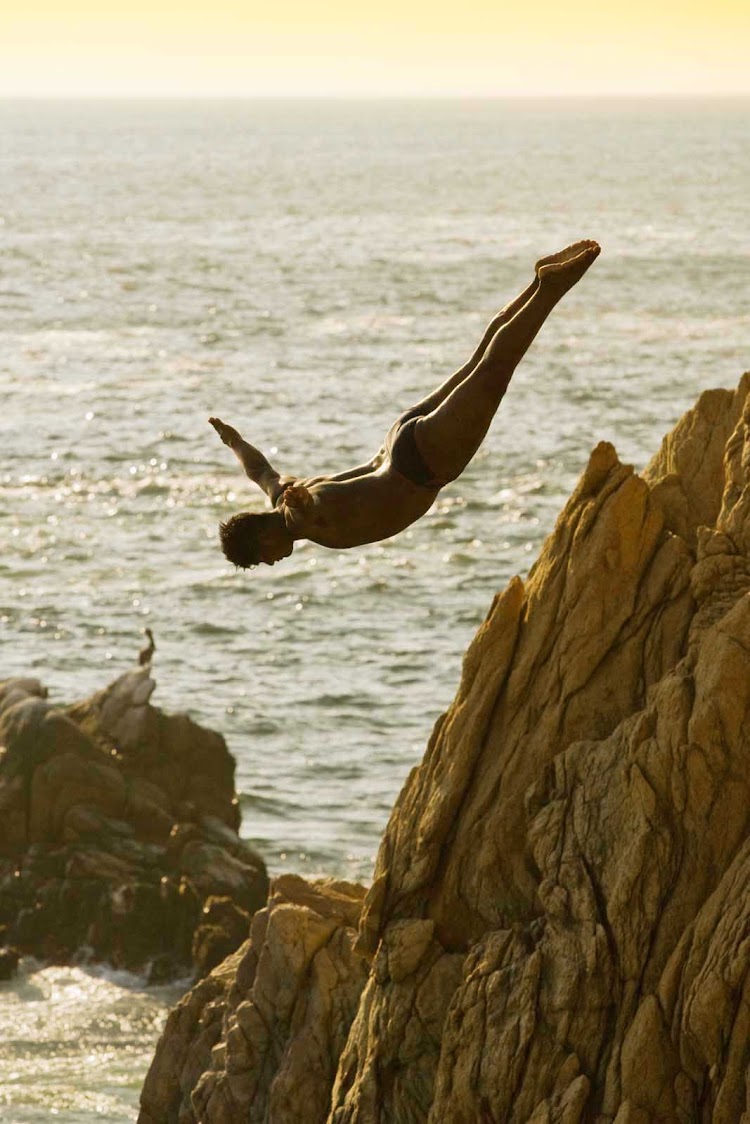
x=556, y=277
x=565, y=255
x=227, y=433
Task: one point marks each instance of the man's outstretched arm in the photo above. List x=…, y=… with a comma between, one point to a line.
x=252, y=460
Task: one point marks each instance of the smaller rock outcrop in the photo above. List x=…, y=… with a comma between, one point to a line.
x=118, y=825
x=259, y=1039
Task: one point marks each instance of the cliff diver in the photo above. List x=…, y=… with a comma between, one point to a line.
x=426, y=447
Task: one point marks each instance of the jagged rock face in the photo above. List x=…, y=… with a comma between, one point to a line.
x=559, y=925
x=117, y=824
x=259, y=1039
x=568, y=655
x=583, y=799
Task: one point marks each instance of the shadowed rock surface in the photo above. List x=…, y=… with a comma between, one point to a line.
x=117, y=824
x=558, y=928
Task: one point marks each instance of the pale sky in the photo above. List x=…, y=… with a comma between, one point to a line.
x=373, y=47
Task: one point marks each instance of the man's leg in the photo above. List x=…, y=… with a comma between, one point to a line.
x=451, y=433
x=433, y=400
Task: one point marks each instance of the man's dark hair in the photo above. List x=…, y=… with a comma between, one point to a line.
x=240, y=536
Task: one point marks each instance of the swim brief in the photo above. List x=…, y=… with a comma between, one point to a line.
x=403, y=450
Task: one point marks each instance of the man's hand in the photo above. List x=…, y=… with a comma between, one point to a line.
x=297, y=496
x=252, y=460
x=227, y=433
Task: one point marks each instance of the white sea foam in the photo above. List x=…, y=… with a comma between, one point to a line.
x=76, y=1043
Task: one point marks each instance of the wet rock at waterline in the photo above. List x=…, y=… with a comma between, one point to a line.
x=118, y=825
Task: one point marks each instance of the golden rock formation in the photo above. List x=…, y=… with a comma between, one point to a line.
x=558, y=929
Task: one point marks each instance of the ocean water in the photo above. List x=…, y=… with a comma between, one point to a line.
x=76, y=1044
x=306, y=271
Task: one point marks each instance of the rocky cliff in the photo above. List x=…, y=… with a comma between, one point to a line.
x=118, y=833
x=558, y=929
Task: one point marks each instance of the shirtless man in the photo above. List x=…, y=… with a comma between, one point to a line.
x=427, y=447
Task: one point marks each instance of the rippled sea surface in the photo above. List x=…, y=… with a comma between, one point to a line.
x=306, y=271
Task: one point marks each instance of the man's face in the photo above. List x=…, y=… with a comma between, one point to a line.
x=276, y=543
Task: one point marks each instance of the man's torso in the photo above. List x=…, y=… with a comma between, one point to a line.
x=364, y=509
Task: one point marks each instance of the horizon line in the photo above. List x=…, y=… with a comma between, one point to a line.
x=640, y=95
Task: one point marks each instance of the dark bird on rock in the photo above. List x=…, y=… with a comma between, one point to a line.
x=146, y=654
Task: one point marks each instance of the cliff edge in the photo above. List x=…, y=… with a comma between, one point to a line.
x=558, y=929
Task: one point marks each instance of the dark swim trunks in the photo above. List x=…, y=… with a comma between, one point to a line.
x=406, y=458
